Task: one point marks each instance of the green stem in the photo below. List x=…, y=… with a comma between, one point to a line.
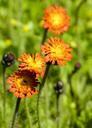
x=70, y=84
x=15, y=112
x=57, y=105
x=44, y=36
x=4, y=98
x=77, y=11
x=40, y=89
x=46, y=106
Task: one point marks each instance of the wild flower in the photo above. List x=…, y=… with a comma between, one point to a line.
x=56, y=51
x=56, y=19
x=23, y=84
x=33, y=63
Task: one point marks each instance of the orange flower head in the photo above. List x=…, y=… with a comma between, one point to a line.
x=56, y=19
x=33, y=63
x=23, y=84
x=56, y=51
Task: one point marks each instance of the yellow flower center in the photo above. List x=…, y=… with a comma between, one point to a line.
x=35, y=65
x=24, y=81
x=56, y=51
x=32, y=63
x=56, y=19
x=39, y=63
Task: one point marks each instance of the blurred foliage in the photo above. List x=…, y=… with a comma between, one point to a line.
x=21, y=31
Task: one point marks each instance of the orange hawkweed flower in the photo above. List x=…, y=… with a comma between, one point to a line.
x=56, y=19
x=34, y=63
x=56, y=51
x=23, y=84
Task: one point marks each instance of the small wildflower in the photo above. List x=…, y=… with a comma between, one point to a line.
x=56, y=51
x=56, y=19
x=8, y=59
x=23, y=84
x=33, y=63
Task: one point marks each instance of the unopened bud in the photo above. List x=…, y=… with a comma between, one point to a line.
x=59, y=87
x=8, y=59
x=76, y=67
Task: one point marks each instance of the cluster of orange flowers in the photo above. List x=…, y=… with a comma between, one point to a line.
x=24, y=81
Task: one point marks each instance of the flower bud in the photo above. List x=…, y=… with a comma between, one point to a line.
x=59, y=87
x=8, y=59
x=76, y=67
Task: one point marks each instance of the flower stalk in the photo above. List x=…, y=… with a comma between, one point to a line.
x=76, y=68
x=4, y=96
x=44, y=36
x=77, y=11
x=57, y=107
x=58, y=90
x=15, y=112
x=7, y=61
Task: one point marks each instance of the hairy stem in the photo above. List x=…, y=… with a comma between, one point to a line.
x=4, y=98
x=70, y=84
x=44, y=36
x=77, y=11
x=57, y=105
x=15, y=112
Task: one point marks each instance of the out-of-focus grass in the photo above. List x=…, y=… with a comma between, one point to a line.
x=21, y=31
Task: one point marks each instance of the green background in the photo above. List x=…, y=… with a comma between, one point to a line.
x=21, y=31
